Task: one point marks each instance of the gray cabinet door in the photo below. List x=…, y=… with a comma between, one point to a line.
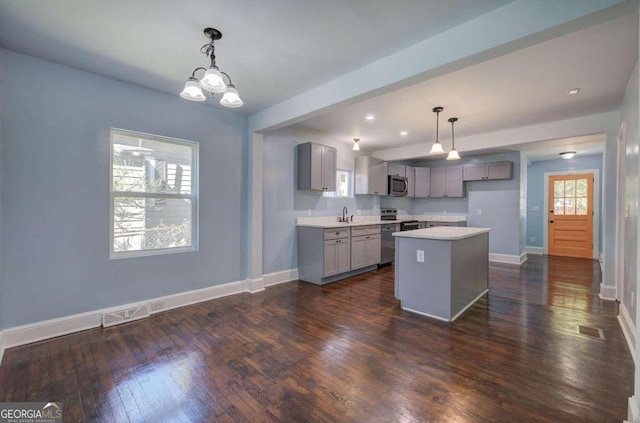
x=499, y=170
x=455, y=185
x=439, y=182
x=395, y=169
x=475, y=172
x=422, y=182
x=330, y=258
x=358, y=247
x=372, y=249
x=317, y=168
x=343, y=258
x=379, y=178
x=411, y=181
x=329, y=163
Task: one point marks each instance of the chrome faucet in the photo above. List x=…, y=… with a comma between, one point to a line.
x=344, y=215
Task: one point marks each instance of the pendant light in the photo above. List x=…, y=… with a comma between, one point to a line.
x=453, y=154
x=356, y=146
x=436, y=147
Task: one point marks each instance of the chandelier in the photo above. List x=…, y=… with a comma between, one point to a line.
x=213, y=79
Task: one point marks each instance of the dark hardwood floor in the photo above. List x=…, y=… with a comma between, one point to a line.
x=346, y=352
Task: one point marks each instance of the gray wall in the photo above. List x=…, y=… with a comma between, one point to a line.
x=56, y=192
x=535, y=191
x=283, y=203
x=629, y=114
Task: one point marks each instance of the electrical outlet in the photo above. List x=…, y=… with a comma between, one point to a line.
x=359, y=212
x=479, y=212
x=308, y=212
x=533, y=239
x=535, y=208
x=420, y=256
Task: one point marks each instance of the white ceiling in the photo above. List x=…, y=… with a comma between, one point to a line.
x=272, y=49
x=523, y=88
x=276, y=49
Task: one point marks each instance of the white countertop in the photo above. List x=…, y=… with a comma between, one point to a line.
x=331, y=221
x=447, y=233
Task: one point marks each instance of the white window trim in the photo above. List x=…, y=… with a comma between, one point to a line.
x=195, y=224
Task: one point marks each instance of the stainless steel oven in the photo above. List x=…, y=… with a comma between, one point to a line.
x=398, y=186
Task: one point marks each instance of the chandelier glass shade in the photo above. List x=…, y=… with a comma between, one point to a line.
x=436, y=147
x=453, y=153
x=213, y=79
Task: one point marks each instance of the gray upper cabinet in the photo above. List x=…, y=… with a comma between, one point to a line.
x=395, y=169
x=487, y=171
x=371, y=176
x=422, y=182
x=316, y=167
x=410, y=174
x=447, y=182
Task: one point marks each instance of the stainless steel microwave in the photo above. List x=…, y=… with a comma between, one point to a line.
x=398, y=186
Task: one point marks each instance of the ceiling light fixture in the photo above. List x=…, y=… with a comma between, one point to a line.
x=573, y=91
x=453, y=153
x=436, y=147
x=567, y=154
x=356, y=146
x=369, y=117
x=404, y=133
x=213, y=78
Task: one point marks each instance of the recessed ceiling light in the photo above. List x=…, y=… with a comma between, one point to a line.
x=404, y=133
x=573, y=91
x=369, y=117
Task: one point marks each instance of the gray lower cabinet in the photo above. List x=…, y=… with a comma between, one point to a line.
x=337, y=257
x=365, y=246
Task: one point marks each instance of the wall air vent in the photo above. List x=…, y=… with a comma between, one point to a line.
x=124, y=316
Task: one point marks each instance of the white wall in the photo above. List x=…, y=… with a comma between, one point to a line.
x=629, y=115
x=55, y=244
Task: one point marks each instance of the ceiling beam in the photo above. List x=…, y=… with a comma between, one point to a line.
x=514, y=26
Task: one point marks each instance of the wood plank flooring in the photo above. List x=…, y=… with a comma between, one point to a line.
x=346, y=352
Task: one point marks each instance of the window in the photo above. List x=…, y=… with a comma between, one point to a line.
x=153, y=183
x=344, y=187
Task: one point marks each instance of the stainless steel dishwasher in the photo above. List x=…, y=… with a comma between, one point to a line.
x=388, y=244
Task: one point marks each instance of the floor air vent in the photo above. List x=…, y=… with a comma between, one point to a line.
x=591, y=332
x=124, y=316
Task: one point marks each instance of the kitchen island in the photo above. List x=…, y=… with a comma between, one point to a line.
x=441, y=271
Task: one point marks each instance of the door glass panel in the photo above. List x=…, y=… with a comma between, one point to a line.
x=558, y=206
x=570, y=188
x=569, y=205
x=558, y=188
x=581, y=206
x=581, y=188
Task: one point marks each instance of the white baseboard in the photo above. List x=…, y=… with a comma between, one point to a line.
x=534, y=250
x=508, y=258
x=607, y=292
x=255, y=285
x=33, y=332
x=633, y=411
x=282, y=276
x=628, y=330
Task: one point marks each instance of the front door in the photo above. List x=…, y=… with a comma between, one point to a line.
x=571, y=215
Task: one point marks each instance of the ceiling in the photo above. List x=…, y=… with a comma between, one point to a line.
x=523, y=88
x=272, y=49
x=277, y=49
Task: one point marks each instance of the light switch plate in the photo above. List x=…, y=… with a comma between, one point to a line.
x=535, y=208
x=479, y=212
x=420, y=256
